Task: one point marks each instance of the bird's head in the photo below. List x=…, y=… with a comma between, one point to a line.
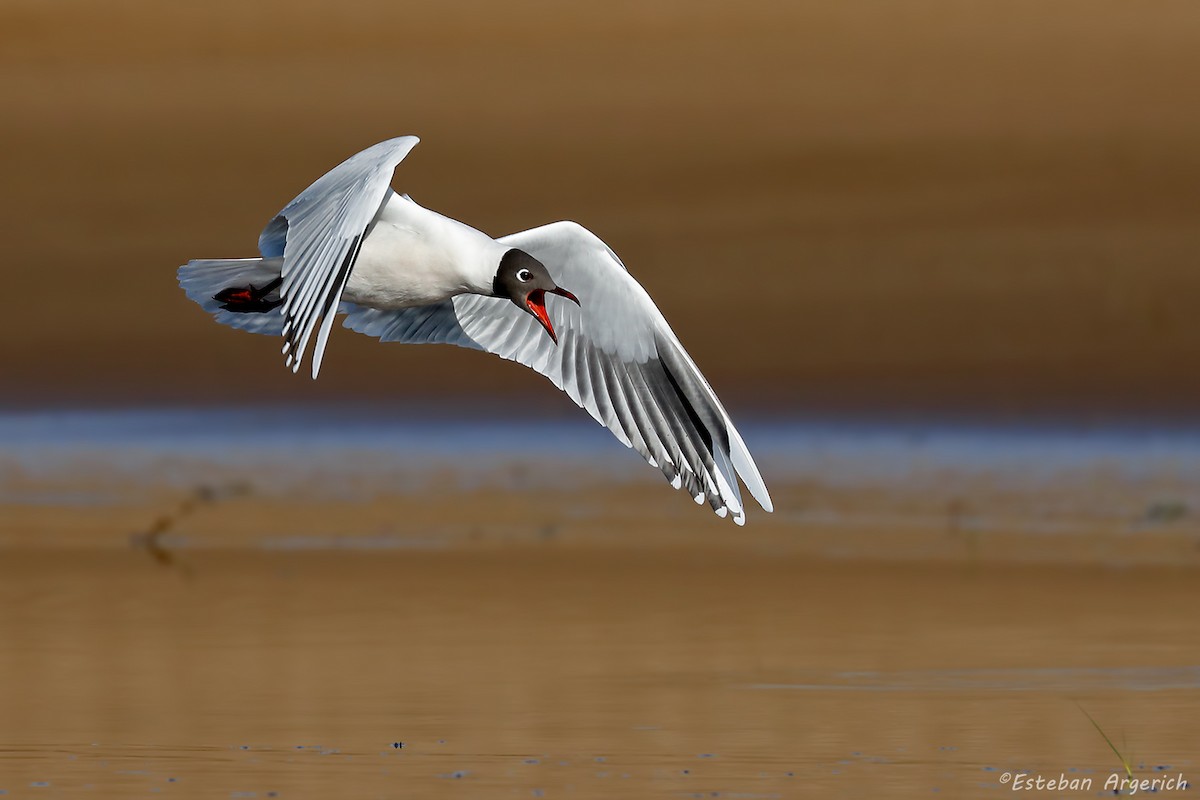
x=525, y=280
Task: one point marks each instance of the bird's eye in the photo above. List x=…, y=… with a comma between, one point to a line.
x=524, y=276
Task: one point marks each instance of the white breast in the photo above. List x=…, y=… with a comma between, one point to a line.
x=414, y=257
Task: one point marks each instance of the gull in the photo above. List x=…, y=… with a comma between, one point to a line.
x=351, y=245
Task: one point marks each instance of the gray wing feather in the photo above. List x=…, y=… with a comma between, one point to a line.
x=319, y=235
x=616, y=358
x=432, y=324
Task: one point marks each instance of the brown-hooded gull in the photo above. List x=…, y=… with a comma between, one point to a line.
x=349, y=244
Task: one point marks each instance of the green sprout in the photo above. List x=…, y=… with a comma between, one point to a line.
x=1108, y=741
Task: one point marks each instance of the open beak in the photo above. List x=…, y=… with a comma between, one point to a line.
x=536, y=303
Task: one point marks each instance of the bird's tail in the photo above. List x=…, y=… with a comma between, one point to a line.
x=241, y=293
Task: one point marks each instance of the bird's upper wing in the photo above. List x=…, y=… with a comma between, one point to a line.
x=319, y=235
x=616, y=357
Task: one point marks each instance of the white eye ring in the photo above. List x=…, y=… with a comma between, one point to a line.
x=524, y=276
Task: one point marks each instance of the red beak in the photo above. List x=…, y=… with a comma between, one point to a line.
x=536, y=303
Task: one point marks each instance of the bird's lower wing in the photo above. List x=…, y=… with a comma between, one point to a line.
x=616, y=357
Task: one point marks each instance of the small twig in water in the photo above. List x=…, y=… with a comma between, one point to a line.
x=203, y=495
x=1113, y=747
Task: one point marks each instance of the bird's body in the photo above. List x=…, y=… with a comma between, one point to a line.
x=351, y=245
x=413, y=257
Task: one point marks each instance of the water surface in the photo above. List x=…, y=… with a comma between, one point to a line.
x=242, y=603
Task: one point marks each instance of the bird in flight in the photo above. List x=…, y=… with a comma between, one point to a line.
x=554, y=298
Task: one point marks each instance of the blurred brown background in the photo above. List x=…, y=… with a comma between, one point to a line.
x=869, y=204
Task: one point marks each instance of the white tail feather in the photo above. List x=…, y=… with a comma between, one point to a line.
x=202, y=279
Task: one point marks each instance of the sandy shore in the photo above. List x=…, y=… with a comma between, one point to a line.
x=988, y=206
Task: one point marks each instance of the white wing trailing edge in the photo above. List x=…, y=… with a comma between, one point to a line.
x=319, y=235
x=616, y=357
